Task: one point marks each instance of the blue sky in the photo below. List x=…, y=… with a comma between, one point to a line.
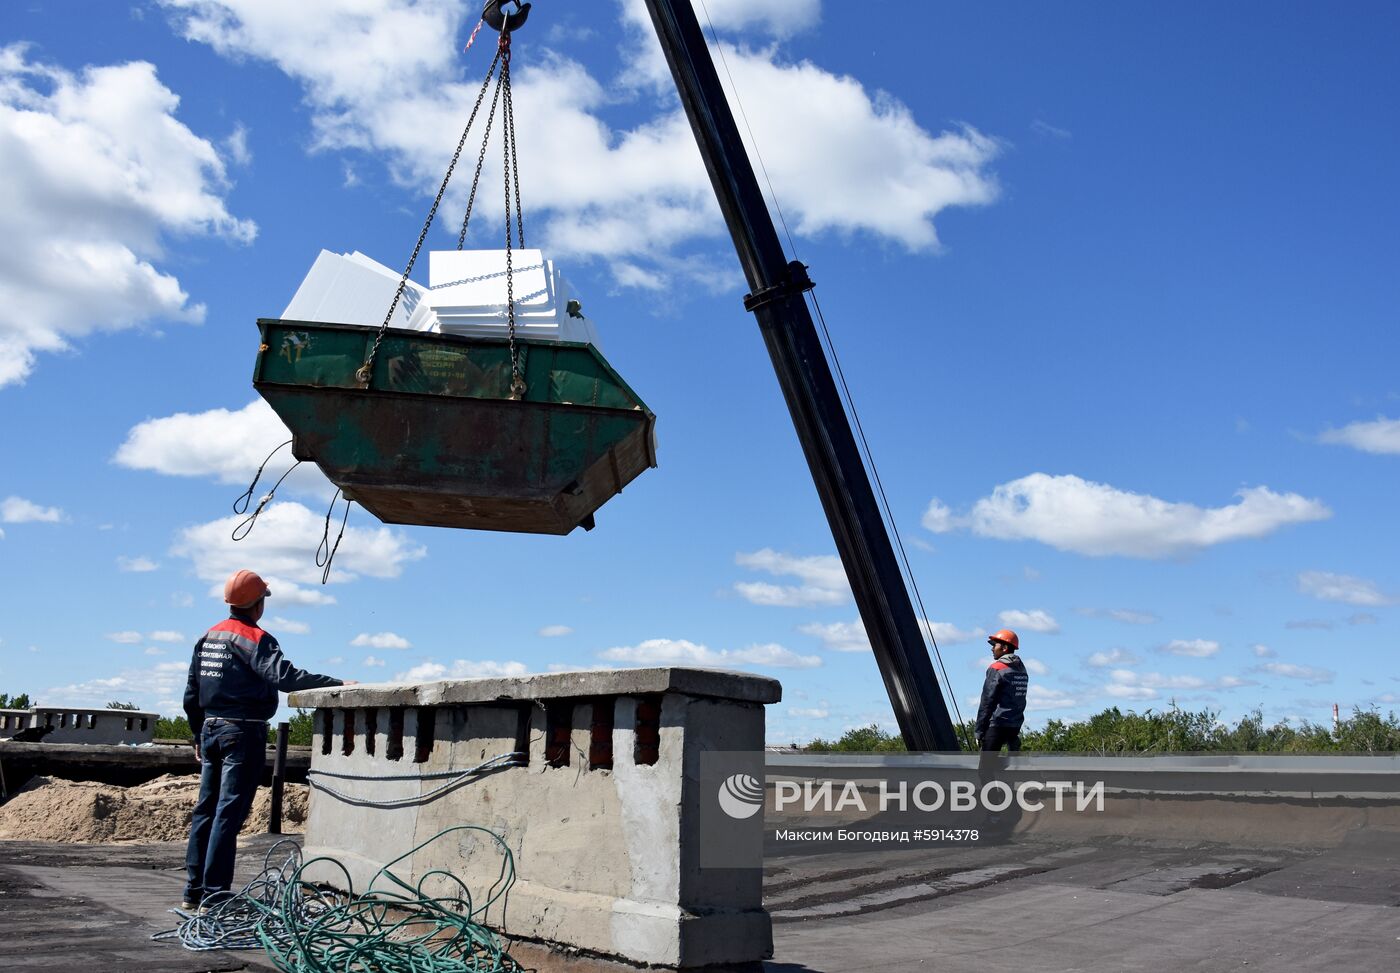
x=1115, y=289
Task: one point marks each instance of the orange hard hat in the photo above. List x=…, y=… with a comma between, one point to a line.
x=245, y=587
x=1007, y=636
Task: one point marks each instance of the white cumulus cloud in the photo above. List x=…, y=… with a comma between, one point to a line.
x=1311, y=675
x=779, y=19
x=226, y=445
x=1073, y=514
x=555, y=631
x=1040, y=698
x=461, y=669
x=1112, y=657
x=1036, y=620
x=851, y=637
x=17, y=510
x=946, y=633
x=166, y=635
x=681, y=652
x=1128, y=684
x=1381, y=435
x=848, y=159
x=236, y=145
x=159, y=688
x=939, y=518
x=99, y=173
x=1192, y=648
x=125, y=638
x=374, y=661
x=1125, y=615
x=839, y=636
x=822, y=579
x=381, y=640
x=1345, y=588
x=137, y=565
x=282, y=547
x=279, y=624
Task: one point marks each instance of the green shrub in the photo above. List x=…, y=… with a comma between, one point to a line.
x=1168, y=731
x=173, y=728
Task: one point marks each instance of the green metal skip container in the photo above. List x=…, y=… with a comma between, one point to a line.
x=436, y=440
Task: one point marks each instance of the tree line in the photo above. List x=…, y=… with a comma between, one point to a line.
x=1167, y=731
x=1113, y=731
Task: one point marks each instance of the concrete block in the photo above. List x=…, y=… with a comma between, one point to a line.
x=713, y=683
x=601, y=823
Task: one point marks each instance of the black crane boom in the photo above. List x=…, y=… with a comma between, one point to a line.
x=777, y=301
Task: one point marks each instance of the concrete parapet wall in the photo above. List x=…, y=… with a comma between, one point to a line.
x=14, y=720
x=69, y=724
x=601, y=819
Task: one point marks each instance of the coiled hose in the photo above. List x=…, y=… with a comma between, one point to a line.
x=390, y=927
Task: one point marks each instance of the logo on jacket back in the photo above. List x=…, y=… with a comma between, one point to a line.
x=212, y=656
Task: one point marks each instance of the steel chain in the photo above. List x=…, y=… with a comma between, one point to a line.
x=481, y=157
x=511, y=178
x=366, y=370
x=517, y=381
x=515, y=165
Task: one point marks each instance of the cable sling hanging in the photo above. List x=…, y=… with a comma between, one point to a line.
x=460, y=406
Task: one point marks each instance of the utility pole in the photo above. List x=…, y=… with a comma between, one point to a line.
x=776, y=300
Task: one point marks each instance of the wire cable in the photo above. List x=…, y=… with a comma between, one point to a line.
x=245, y=526
x=324, y=561
x=391, y=926
x=894, y=528
x=454, y=780
x=241, y=504
x=845, y=388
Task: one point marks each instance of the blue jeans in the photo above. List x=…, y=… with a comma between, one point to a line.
x=233, y=758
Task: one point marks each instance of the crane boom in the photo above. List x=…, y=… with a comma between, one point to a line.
x=777, y=302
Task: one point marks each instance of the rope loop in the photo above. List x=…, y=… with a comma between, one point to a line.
x=245, y=526
x=247, y=496
x=325, y=551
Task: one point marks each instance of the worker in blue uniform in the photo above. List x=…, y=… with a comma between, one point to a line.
x=1002, y=710
x=235, y=675
x=1000, y=715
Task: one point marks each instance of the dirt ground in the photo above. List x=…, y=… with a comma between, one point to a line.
x=50, y=809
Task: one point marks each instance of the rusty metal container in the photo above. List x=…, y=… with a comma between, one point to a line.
x=435, y=439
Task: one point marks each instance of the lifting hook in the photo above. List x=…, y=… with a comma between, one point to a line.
x=502, y=21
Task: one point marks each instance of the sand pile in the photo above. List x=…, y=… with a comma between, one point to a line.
x=49, y=809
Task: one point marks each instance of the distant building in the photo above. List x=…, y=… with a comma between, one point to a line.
x=66, y=724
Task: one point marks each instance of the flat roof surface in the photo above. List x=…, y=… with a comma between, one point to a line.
x=1048, y=905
